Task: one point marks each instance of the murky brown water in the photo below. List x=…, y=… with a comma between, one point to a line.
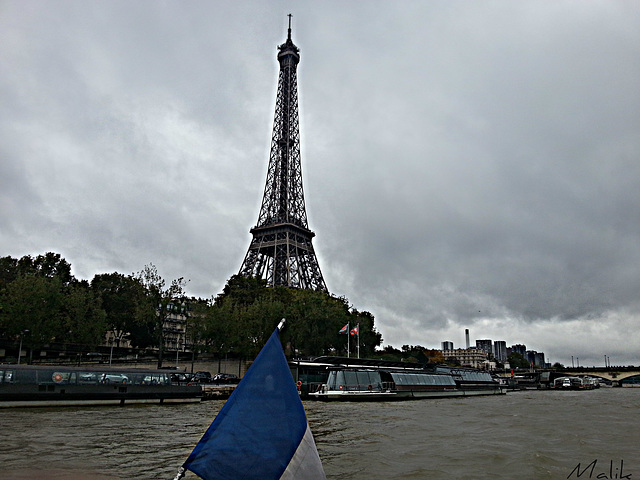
x=523, y=435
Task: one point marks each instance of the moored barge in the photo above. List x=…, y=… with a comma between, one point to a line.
x=46, y=386
x=370, y=380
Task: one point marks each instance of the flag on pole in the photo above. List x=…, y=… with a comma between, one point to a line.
x=261, y=432
x=355, y=330
x=344, y=329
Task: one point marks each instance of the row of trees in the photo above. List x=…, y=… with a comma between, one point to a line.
x=43, y=302
x=245, y=314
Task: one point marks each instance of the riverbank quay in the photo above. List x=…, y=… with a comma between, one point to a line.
x=217, y=392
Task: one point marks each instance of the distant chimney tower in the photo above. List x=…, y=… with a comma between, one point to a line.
x=466, y=336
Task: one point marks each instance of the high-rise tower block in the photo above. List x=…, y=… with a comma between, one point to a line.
x=281, y=251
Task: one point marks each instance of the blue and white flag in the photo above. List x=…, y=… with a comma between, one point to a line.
x=261, y=432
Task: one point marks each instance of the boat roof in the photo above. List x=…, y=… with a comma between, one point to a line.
x=359, y=362
x=331, y=362
x=83, y=368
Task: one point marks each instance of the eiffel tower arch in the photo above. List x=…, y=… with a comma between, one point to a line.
x=281, y=250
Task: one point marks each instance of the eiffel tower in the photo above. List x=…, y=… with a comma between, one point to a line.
x=281, y=251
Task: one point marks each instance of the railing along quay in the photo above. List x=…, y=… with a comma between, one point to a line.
x=217, y=392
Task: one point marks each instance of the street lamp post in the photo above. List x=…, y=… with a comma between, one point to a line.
x=22, y=334
x=113, y=340
x=177, y=350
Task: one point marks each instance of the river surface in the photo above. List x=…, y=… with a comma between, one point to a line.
x=521, y=435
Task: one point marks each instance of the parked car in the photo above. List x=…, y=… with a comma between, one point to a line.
x=225, y=378
x=114, y=378
x=201, y=377
x=180, y=378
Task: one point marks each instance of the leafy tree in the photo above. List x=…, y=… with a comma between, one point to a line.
x=434, y=356
x=219, y=333
x=49, y=265
x=84, y=321
x=389, y=353
x=35, y=304
x=195, y=325
x=246, y=312
x=516, y=360
x=243, y=290
x=370, y=339
x=121, y=297
x=161, y=302
x=8, y=271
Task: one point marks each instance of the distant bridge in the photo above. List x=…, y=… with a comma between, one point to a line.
x=614, y=374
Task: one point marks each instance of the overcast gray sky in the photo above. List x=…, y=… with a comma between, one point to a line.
x=466, y=164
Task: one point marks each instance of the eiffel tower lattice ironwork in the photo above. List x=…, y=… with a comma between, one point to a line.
x=281, y=251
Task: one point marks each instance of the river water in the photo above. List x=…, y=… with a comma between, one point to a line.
x=521, y=435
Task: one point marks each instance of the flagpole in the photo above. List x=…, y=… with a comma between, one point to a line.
x=348, y=335
x=358, y=327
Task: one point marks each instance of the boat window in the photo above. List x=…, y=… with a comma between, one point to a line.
x=25, y=376
x=340, y=380
x=351, y=378
x=87, y=378
x=331, y=380
x=368, y=378
x=154, y=379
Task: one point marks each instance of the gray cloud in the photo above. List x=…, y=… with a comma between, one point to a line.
x=466, y=164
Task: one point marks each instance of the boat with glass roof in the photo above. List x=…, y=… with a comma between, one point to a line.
x=358, y=380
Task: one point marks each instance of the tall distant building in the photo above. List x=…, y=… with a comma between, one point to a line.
x=521, y=349
x=447, y=346
x=281, y=251
x=485, y=345
x=535, y=358
x=500, y=350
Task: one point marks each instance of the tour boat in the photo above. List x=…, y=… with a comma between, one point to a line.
x=377, y=382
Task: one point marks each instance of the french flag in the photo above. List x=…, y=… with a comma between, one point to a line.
x=344, y=329
x=262, y=432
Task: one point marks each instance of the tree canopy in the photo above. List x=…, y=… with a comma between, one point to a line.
x=42, y=302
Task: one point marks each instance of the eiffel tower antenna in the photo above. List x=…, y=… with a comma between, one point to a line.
x=281, y=251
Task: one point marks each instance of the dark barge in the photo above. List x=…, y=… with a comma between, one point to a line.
x=50, y=385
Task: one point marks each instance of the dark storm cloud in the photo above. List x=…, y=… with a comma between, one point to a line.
x=466, y=164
